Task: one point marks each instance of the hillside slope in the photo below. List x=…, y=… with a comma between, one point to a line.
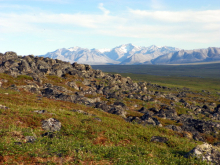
x=55, y=112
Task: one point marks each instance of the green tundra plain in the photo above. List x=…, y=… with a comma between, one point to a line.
x=199, y=77
x=83, y=140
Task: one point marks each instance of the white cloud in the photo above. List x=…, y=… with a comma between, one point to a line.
x=22, y=21
x=157, y=4
x=179, y=16
x=212, y=26
x=105, y=11
x=192, y=26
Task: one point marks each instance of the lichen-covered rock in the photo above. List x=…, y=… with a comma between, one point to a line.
x=206, y=152
x=72, y=84
x=51, y=125
x=118, y=110
x=7, y=56
x=30, y=139
x=31, y=88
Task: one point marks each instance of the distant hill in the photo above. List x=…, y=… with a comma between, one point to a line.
x=129, y=54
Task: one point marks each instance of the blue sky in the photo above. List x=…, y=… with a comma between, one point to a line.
x=41, y=26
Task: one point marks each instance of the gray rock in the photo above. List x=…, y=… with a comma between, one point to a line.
x=118, y=110
x=8, y=56
x=149, y=120
x=51, y=124
x=86, y=82
x=159, y=139
x=31, y=88
x=197, y=137
x=174, y=128
x=72, y=84
x=30, y=139
x=98, y=119
x=206, y=152
x=40, y=111
x=14, y=87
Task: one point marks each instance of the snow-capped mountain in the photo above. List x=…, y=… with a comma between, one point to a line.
x=123, y=54
x=81, y=55
x=129, y=54
x=145, y=54
x=189, y=56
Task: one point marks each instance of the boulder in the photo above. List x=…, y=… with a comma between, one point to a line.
x=102, y=106
x=31, y=88
x=8, y=56
x=174, y=128
x=147, y=119
x=118, y=110
x=51, y=125
x=206, y=152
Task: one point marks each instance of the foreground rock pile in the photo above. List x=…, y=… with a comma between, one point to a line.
x=111, y=92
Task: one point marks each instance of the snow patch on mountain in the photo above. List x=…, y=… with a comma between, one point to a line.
x=104, y=50
x=72, y=49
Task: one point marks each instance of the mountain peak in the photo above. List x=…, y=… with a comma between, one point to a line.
x=73, y=48
x=123, y=54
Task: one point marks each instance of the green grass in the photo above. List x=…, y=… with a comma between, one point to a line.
x=199, y=71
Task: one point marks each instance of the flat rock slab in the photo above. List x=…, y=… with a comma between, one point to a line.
x=51, y=124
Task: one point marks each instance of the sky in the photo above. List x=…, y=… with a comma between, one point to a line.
x=40, y=26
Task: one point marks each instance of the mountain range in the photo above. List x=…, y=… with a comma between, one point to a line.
x=129, y=54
